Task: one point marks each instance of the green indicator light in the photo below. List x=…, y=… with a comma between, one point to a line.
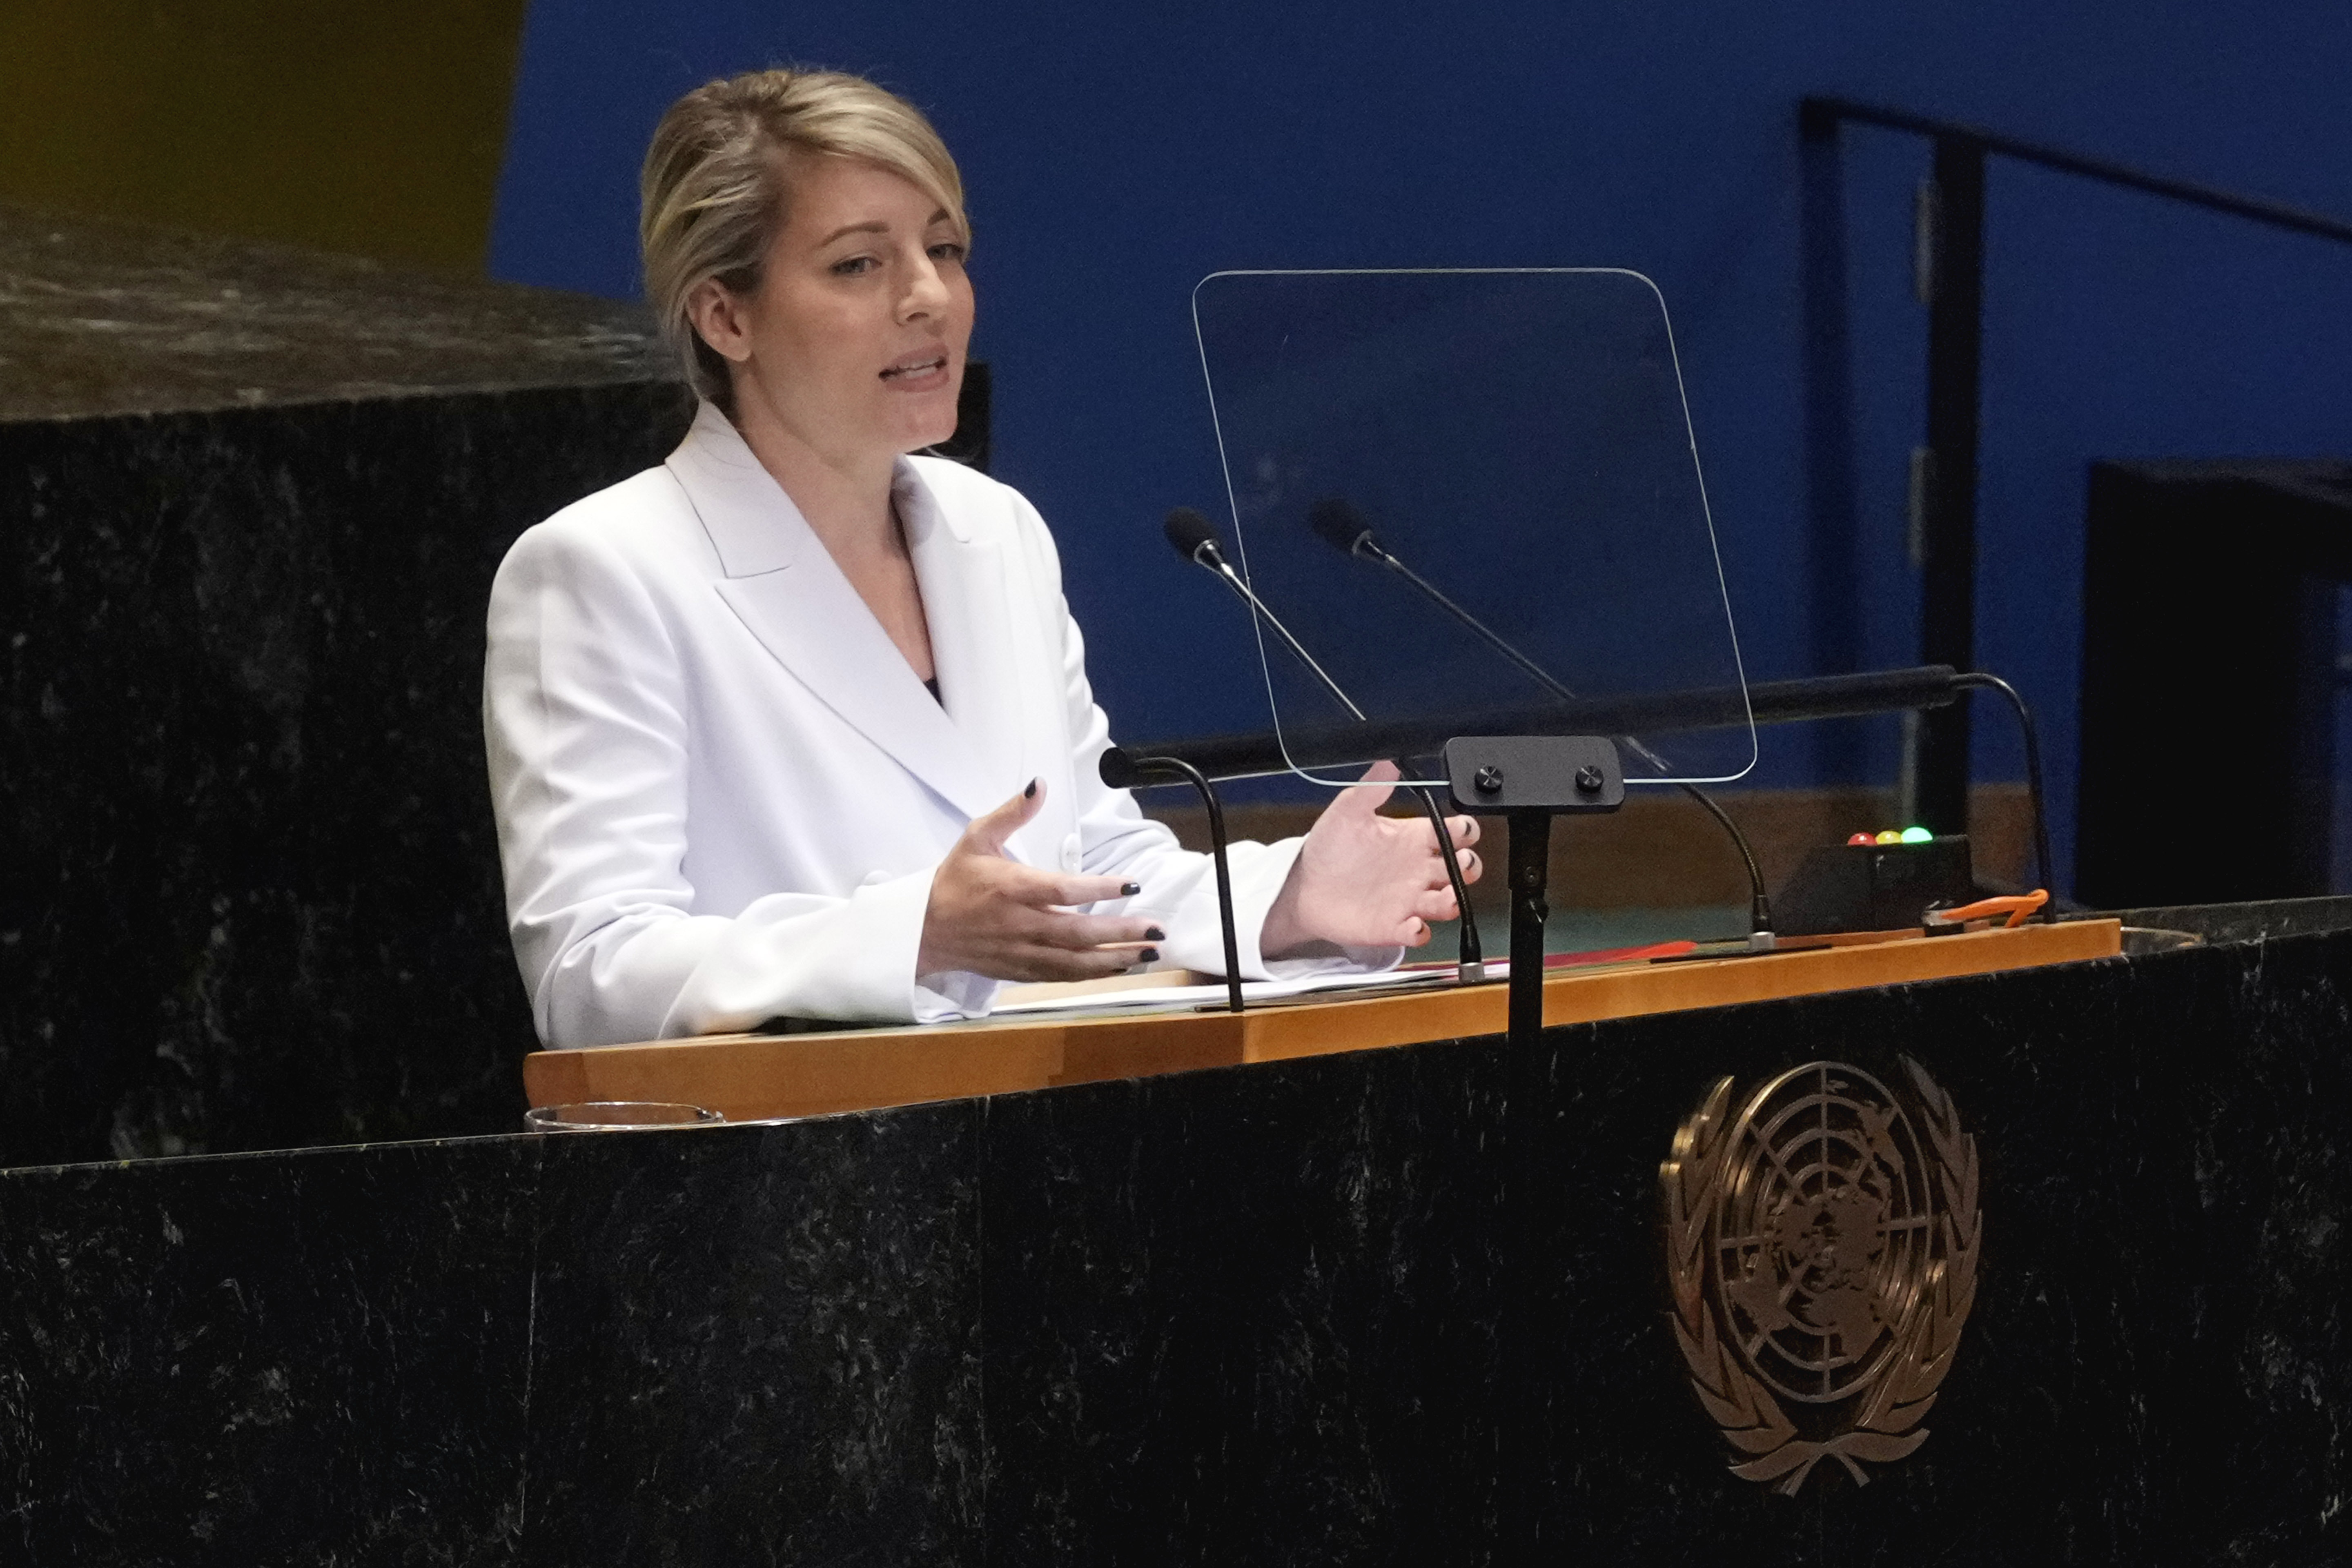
x=1917, y=836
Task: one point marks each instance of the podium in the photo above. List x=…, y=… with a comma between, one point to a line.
x=1403, y=1305
x=758, y=1077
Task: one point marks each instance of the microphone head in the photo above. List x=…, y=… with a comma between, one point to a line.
x=1190, y=533
x=1341, y=524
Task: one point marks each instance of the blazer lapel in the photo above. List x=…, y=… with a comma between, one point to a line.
x=783, y=584
x=964, y=601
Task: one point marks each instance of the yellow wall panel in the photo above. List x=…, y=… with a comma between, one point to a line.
x=371, y=129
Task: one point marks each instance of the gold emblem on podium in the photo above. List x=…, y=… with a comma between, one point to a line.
x=1822, y=1241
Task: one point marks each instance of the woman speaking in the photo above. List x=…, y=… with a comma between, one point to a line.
x=797, y=724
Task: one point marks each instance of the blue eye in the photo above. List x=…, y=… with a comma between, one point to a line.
x=950, y=250
x=853, y=266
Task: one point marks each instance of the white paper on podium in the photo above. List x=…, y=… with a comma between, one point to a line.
x=1163, y=997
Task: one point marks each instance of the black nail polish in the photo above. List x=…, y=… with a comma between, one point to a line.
x=1155, y=934
x=1031, y=792
x=1148, y=955
x=1128, y=889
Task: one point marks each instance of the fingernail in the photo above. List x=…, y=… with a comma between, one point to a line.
x=1128, y=889
x=1148, y=955
x=1031, y=792
x=1155, y=934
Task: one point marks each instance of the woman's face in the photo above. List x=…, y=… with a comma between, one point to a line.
x=855, y=340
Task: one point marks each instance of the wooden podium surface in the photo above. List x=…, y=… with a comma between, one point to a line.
x=750, y=1076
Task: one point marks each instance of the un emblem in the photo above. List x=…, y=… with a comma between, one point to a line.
x=1821, y=1249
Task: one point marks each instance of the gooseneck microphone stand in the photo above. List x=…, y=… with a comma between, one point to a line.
x=1195, y=539
x=1340, y=526
x=1558, y=767
x=1147, y=768
x=1981, y=679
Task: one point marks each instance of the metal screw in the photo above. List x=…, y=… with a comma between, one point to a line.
x=1489, y=780
x=1588, y=779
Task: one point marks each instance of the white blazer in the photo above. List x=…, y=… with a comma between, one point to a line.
x=721, y=791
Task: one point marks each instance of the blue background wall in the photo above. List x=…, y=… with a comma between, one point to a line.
x=1116, y=154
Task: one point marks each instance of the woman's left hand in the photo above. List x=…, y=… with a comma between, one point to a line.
x=1363, y=879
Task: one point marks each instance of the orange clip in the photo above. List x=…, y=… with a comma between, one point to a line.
x=2018, y=906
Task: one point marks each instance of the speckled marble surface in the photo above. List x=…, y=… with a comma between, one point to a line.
x=2156, y=1370
x=247, y=1359
x=98, y=317
x=1402, y=1306
x=763, y=1344
x=250, y=503
x=1251, y=1318
x=248, y=875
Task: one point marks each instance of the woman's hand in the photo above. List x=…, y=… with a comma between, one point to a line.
x=1366, y=880
x=997, y=918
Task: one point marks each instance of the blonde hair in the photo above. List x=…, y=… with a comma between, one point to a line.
x=713, y=187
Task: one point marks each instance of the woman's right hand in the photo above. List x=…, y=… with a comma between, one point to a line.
x=997, y=918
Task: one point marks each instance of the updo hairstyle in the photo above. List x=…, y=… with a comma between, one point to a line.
x=714, y=185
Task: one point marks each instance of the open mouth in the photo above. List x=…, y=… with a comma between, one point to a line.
x=916, y=369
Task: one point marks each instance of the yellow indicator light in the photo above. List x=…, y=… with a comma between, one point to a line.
x=1889, y=835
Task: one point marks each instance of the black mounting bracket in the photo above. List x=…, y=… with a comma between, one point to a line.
x=1529, y=780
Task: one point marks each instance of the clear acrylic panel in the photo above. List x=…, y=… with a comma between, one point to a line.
x=1515, y=444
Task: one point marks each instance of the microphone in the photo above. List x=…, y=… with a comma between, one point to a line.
x=1344, y=529
x=1194, y=537
x=1347, y=531
x=1337, y=521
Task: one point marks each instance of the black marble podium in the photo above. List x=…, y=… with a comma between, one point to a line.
x=250, y=502
x=1403, y=1306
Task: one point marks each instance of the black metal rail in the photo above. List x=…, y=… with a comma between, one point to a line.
x=1951, y=275
x=1820, y=116
x=1266, y=752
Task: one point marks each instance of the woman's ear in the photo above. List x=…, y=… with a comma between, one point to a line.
x=721, y=319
